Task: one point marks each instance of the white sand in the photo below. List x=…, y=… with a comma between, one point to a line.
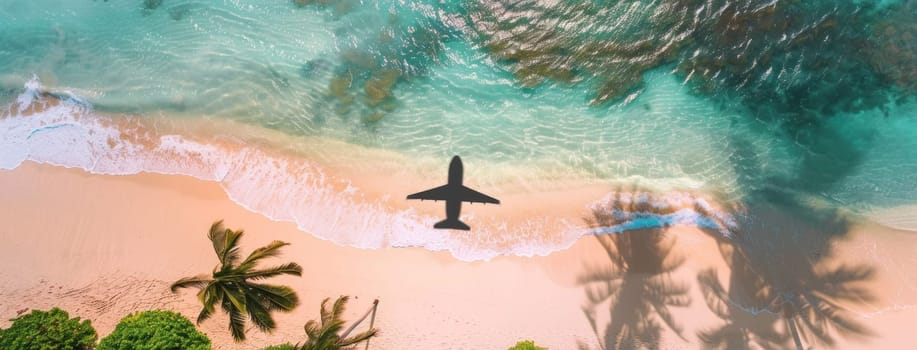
x=103, y=246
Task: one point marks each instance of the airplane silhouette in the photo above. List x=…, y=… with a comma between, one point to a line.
x=454, y=193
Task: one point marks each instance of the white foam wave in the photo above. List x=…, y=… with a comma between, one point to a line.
x=65, y=131
x=900, y=218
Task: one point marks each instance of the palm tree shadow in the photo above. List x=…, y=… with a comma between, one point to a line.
x=781, y=271
x=743, y=308
x=637, y=284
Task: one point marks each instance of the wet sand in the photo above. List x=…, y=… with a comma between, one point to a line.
x=102, y=246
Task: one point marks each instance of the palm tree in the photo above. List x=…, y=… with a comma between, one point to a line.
x=323, y=334
x=231, y=284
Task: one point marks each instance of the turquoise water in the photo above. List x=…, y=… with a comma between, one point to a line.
x=794, y=99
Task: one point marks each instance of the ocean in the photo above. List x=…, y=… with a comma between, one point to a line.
x=327, y=113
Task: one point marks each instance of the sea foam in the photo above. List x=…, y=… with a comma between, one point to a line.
x=62, y=129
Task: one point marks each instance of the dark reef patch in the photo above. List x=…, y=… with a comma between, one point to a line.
x=791, y=62
x=371, y=66
x=608, y=44
x=895, y=47
x=795, y=62
x=179, y=12
x=151, y=4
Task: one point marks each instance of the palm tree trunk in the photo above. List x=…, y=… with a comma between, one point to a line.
x=372, y=309
x=372, y=320
x=792, y=326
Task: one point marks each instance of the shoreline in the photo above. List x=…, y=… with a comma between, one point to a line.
x=113, y=270
x=102, y=246
x=312, y=180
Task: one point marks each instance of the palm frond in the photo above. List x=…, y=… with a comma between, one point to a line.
x=270, y=250
x=225, y=243
x=324, y=313
x=273, y=297
x=313, y=329
x=217, y=236
x=236, y=298
x=285, y=269
x=358, y=338
x=323, y=337
x=199, y=281
x=208, y=297
x=339, y=306
x=236, y=321
x=231, y=254
x=259, y=314
x=204, y=315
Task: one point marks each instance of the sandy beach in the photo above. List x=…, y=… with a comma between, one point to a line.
x=103, y=246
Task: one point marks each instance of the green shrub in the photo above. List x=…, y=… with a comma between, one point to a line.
x=526, y=345
x=48, y=330
x=155, y=330
x=286, y=346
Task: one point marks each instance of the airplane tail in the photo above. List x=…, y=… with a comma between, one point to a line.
x=454, y=224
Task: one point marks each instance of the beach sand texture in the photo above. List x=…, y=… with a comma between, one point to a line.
x=104, y=246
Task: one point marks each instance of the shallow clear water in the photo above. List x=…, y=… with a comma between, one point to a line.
x=427, y=79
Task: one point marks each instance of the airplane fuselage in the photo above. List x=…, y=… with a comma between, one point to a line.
x=454, y=206
x=454, y=193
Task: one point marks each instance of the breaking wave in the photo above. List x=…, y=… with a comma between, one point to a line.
x=62, y=129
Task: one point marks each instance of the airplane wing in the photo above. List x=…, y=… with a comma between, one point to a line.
x=434, y=194
x=469, y=195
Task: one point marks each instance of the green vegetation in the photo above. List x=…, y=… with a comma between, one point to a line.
x=232, y=288
x=323, y=334
x=154, y=330
x=286, y=346
x=526, y=345
x=48, y=330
